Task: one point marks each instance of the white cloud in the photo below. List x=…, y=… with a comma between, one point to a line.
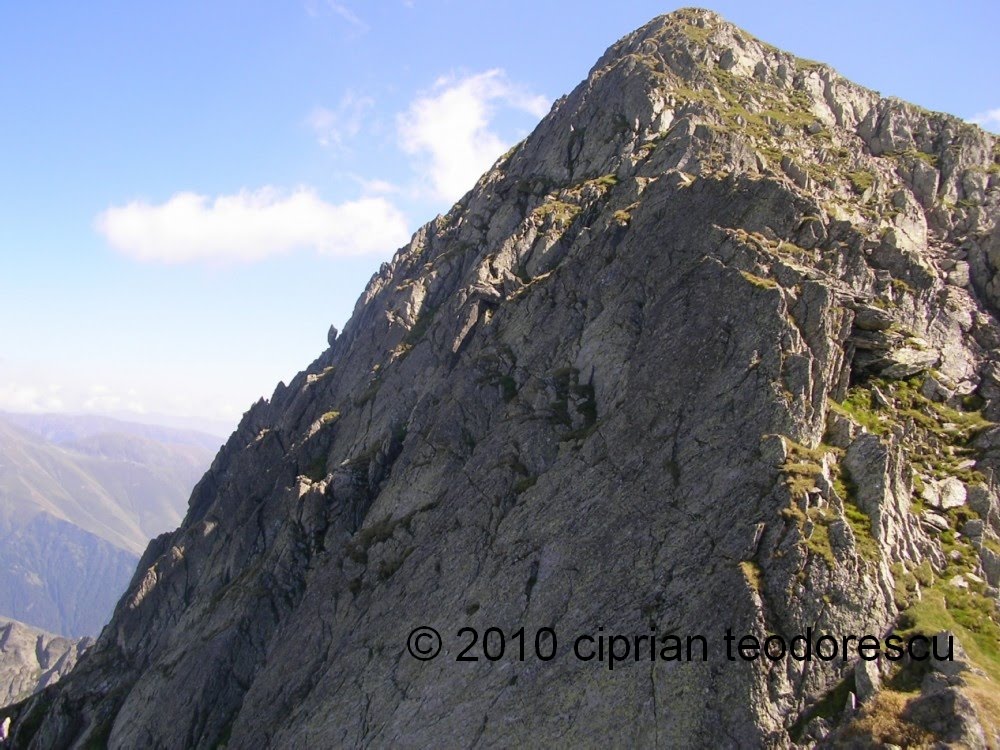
x=334, y=127
x=377, y=187
x=990, y=120
x=29, y=389
x=20, y=397
x=250, y=226
x=347, y=14
x=102, y=400
x=448, y=129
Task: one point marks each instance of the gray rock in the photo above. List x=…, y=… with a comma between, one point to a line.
x=984, y=502
x=951, y=493
x=959, y=275
x=31, y=659
x=867, y=680
x=990, y=562
x=948, y=644
x=879, y=399
x=934, y=521
x=869, y=318
x=974, y=529
x=817, y=729
x=840, y=430
x=905, y=362
x=934, y=390
x=950, y=715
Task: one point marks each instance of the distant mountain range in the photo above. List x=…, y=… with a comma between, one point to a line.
x=80, y=498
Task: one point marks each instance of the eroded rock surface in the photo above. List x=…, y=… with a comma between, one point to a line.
x=31, y=659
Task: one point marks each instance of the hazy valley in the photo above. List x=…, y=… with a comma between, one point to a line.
x=80, y=498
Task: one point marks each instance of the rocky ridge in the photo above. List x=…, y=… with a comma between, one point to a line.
x=715, y=347
x=31, y=659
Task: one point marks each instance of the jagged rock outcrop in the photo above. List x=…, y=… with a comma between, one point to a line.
x=32, y=659
x=663, y=370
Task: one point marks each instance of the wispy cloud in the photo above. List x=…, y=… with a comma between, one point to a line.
x=250, y=226
x=335, y=127
x=376, y=187
x=448, y=130
x=103, y=400
x=24, y=397
x=29, y=390
x=316, y=8
x=347, y=14
x=990, y=120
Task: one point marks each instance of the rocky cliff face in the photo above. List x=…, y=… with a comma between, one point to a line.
x=714, y=348
x=32, y=659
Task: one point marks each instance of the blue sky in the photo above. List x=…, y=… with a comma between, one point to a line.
x=193, y=191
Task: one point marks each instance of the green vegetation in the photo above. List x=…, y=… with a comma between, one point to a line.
x=560, y=213
x=368, y=536
x=973, y=618
x=100, y=734
x=801, y=478
x=857, y=519
x=790, y=248
x=753, y=574
x=801, y=469
x=606, y=181
x=861, y=525
x=622, y=217
x=858, y=407
x=930, y=159
x=759, y=282
x=316, y=377
x=388, y=568
x=510, y=152
x=329, y=417
x=861, y=180
x=902, y=287
x=946, y=607
x=813, y=525
x=937, y=436
x=905, y=589
x=646, y=149
x=804, y=64
x=881, y=723
x=697, y=34
x=935, y=439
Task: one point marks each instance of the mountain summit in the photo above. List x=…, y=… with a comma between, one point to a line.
x=712, y=353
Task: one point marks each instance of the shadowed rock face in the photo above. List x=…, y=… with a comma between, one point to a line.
x=627, y=382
